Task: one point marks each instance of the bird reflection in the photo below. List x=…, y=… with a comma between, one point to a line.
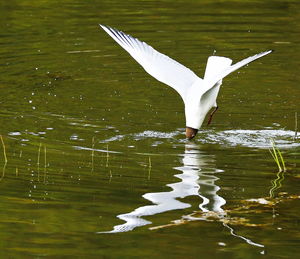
x=195, y=181
x=196, y=163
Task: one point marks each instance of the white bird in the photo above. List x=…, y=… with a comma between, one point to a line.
x=199, y=95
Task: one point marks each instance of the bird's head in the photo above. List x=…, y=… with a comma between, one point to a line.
x=190, y=133
x=194, y=120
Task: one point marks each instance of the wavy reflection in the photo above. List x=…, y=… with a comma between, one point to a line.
x=195, y=181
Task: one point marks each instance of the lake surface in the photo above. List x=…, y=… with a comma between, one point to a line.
x=97, y=160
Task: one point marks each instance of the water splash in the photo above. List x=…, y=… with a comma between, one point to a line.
x=230, y=138
x=144, y=135
x=252, y=138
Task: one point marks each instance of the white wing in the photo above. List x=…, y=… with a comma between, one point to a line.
x=238, y=65
x=213, y=82
x=158, y=65
x=215, y=65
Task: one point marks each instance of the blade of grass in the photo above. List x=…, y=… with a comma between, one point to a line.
x=107, y=155
x=93, y=152
x=38, y=161
x=296, y=126
x=5, y=158
x=149, y=168
x=4, y=150
x=275, y=156
x=282, y=161
x=45, y=166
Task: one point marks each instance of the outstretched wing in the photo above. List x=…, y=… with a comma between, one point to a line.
x=238, y=65
x=158, y=65
x=212, y=83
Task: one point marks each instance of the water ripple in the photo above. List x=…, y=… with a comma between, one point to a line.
x=246, y=138
x=253, y=138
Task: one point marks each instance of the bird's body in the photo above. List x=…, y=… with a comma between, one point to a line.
x=197, y=103
x=199, y=95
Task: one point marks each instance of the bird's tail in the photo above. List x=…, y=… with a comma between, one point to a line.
x=215, y=65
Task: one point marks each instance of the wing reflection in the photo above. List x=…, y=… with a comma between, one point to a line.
x=196, y=162
x=195, y=181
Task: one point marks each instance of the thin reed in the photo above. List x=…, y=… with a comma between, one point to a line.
x=277, y=156
x=38, y=161
x=93, y=153
x=149, y=168
x=5, y=158
x=45, y=165
x=296, y=126
x=4, y=150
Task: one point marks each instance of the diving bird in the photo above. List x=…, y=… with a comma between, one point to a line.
x=199, y=95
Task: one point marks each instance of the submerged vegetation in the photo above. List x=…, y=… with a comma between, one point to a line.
x=241, y=214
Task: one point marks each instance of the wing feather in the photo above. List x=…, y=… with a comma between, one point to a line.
x=238, y=65
x=158, y=65
x=213, y=82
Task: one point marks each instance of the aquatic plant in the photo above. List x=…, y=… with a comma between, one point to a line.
x=93, y=152
x=296, y=126
x=45, y=161
x=149, y=168
x=236, y=215
x=5, y=158
x=277, y=156
x=38, y=161
x=107, y=155
x=4, y=150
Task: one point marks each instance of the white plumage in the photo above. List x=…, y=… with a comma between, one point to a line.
x=199, y=95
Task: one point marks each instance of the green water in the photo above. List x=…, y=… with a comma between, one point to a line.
x=98, y=165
